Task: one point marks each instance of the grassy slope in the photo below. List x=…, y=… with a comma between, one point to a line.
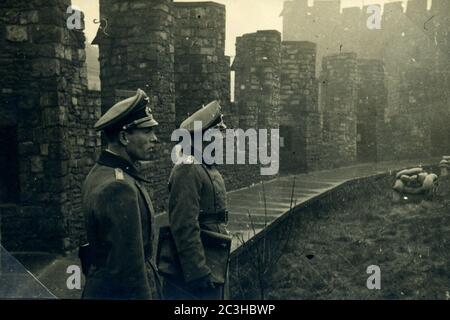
x=409, y=242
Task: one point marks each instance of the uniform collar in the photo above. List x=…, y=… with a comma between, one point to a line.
x=203, y=158
x=189, y=159
x=109, y=159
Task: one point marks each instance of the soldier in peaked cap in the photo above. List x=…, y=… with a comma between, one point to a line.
x=118, y=211
x=197, y=207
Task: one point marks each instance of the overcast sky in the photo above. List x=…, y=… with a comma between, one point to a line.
x=243, y=16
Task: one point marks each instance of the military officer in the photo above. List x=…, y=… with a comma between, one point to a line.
x=117, y=208
x=197, y=202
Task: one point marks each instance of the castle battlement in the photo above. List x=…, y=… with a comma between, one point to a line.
x=321, y=8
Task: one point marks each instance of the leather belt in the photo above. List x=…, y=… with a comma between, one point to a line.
x=217, y=217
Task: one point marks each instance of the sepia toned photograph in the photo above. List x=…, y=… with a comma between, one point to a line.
x=227, y=150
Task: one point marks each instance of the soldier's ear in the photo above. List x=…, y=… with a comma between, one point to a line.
x=123, y=138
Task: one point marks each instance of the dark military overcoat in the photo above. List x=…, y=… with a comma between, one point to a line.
x=197, y=198
x=119, y=221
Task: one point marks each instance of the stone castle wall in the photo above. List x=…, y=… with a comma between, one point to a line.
x=257, y=83
x=411, y=43
x=200, y=62
x=370, y=111
x=299, y=112
x=44, y=92
x=339, y=89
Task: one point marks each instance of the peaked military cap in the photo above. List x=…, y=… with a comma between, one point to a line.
x=133, y=112
x=210, y=116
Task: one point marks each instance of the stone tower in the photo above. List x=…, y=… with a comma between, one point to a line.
x=46, y=122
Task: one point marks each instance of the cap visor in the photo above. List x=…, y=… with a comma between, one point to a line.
x=147, y=124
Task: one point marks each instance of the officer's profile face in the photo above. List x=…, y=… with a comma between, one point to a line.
x=140, y=143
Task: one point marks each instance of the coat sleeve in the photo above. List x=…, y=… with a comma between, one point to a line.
x=119, y=213
x=184, y=209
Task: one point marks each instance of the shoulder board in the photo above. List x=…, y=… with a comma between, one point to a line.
x=119, y=174
x=188, y=160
